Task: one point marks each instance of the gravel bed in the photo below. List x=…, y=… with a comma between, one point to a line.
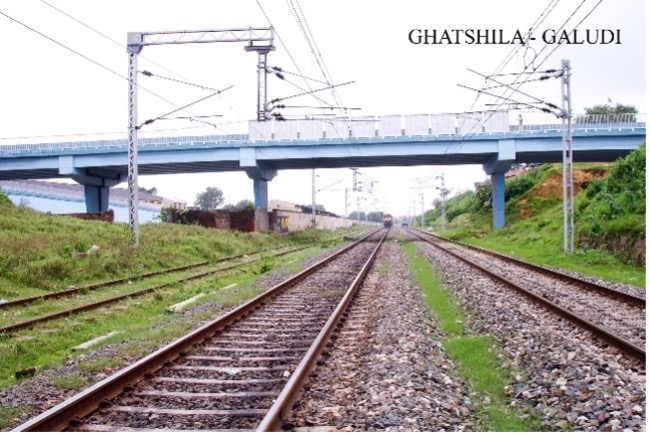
x=623, y=319
x=621, y=287
x=386, y=371
x=41, y=392
x=561, y=374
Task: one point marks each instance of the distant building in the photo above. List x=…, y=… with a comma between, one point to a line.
x=283, y=205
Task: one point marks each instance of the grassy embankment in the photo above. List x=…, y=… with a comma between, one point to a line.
x=609, y=211
x=475, y=355
x=39, y=256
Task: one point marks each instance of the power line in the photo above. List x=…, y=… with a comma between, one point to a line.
x=513, y=90
x=293, y=60
x=575, y=27
x=538, y=22
x=153, y=62
x=149, y=121
x=102, y=66
x=311, y=42
x=150, y=74
x=108, y=37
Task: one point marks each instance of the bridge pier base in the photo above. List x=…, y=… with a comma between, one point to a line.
x=261, y=189
x=96, y=198
x=498, y=200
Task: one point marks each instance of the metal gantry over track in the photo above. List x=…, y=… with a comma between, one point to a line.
x=259, y=40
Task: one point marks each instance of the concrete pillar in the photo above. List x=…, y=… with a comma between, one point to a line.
x=498, y=200
x=96, y=198
x=261, y=189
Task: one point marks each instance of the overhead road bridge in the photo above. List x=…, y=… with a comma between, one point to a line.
x=495, y=140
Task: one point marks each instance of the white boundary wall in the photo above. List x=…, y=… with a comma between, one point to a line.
x=299, y=221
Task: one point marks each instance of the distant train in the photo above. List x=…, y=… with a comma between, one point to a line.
x=388, y=220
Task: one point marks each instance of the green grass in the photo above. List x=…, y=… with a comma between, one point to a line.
x=609, y=212
x=335, y=293
x=143, y=322
x=39, y=251
x=539, y=240
x=447, y=312
x=99, y=364
x=475, y=355
x=382, y=269
x=9, y=413
x=70, y=381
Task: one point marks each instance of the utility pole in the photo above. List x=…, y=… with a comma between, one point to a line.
x=313, y=197
x=567, y=157
x=443, y=193
x=355, y=187
x=422, y=203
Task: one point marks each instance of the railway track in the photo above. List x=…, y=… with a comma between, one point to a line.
x=635, y=300
x=615, y=317
x=108, y=301
x=241, y=371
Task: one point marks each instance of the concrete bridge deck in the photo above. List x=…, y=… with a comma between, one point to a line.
x=489, y=139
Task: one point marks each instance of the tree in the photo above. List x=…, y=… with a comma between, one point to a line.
x=244, y=205
x=605, y=109
x=152, y=191
x=605, y=113
x=209, y=199
x=375, y=217
x=357, y=215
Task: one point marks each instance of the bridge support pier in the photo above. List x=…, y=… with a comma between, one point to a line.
x=498, y=200
x=95, y=185
x=261, y=190
x=96, y=198
x=497, y=167
x=261, y=174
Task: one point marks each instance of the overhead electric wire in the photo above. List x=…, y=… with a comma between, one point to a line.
x=109, y=38
x=282, y=71
x=151, y=120
x=532, y=62
x=480, y=91
x=317, y=56
x=276, y=100
x=328, y=75
x=533, y=27
x=538, y=22
x=143, y=57
x=509, y=86
x=313, y=47
x=294, y=62
x=311, y=91
x=575, y=27
x=171, y=79
x=104, y=67
x=281, y=41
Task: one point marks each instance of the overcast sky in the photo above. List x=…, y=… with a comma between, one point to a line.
x=46, y=90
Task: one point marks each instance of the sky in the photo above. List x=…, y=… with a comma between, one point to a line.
x=49, y=92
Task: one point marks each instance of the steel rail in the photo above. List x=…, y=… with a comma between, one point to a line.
x=281, y=408
x=107, y=301
x=99, y=285
x=625, y=346
x=604, y=290
x=74, y=409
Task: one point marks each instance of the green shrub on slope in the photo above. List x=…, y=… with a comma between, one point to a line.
x=616, y=204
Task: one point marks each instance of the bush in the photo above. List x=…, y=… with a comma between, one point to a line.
x=619, y=198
